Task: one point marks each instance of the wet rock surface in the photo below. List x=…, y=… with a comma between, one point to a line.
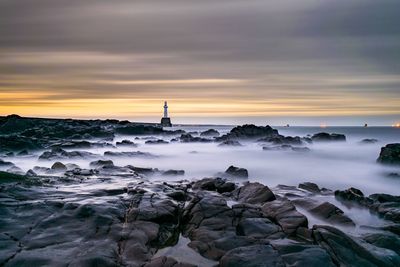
x=390, y=154
x=81, y=208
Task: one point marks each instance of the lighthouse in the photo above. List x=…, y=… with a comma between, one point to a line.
x=165, y=120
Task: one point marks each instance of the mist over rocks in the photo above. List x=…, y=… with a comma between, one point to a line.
x=326, y=137
x=114, y=200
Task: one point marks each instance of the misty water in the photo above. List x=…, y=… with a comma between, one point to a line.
x=334, y=165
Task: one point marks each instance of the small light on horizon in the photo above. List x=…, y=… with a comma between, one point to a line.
x=323, y=125
x=396, y=125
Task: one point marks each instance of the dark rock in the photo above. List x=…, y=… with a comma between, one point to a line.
x=210, y=133
x=23, y=153
x=346, y=251
x=237, y=172
x=390, y=154
x=384, y=240
x=59, y=167
x=285, y=214
x=249, y=131
x=145, y=171
x=299, y=254
x=16, y=170
x=188, y=138
x=332, y=214
x=173, y=172
x=311, y=187
x=253, y=193
x=252, y=256
x=230, y=143
x=178, y=195
x=259, y=228
x=156, y=142
x=214, y=184
x=126, y=143
x=6, y=164
x=58, y=153
x=30, y=173
x=101, y=164
x=324, y=137
x=283, y=140
x=353, y=195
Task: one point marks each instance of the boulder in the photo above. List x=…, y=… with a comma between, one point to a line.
x=390, y=154
x=214, y=184
x=311, y=187
x=188, y=138
x=126, y=143
x=353, y=195
x=329, y=212
x=326, y=137
x=368, y=141
x=237, y=172
x=59, y=167
x=285, y=214
x=253, y=193
x=173, y=172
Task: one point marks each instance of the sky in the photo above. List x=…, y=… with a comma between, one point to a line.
x=298, y=62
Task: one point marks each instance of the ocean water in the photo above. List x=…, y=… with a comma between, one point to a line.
x=336, y=165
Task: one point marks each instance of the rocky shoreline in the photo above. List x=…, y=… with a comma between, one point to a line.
x=111, y=215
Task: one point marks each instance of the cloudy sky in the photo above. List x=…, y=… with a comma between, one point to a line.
x=218, y=61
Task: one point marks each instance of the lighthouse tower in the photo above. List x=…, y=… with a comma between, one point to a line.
x=165, y=120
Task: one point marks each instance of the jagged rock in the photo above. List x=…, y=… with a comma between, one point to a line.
x=346, y=251
x=283, y=140
x=178, y=195
x=332, y=214
x=237, y=172
x=23, y=153
x=214, y=184
x=58, y=166
x=353, y=195
x=58, y=153
x=324, y=137
x=311, y=187
x=126, y=143
x=101, y=164
x=390, y=154
x=16, y=170
x=285, y=214
x=145, y=171
x=253, y=193
x=252, y=256
x=249, y=131
x=30, y=173
x=230, y=143
x=210, y=133
x=188, y=138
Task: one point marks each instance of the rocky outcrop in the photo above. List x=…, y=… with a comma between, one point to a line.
x=326, y=137
x=237, y=172
x=214, y=184
x=249, y=131
x=127, y=143
x=156, y=142
x=347, y=251
x=188, y=138
x=58, y=153
x=332, y=214
x=390, y=154
x=101, y=164
x=253, y=193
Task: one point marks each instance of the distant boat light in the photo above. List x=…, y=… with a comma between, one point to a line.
x=396, y=125
x=323, y=125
